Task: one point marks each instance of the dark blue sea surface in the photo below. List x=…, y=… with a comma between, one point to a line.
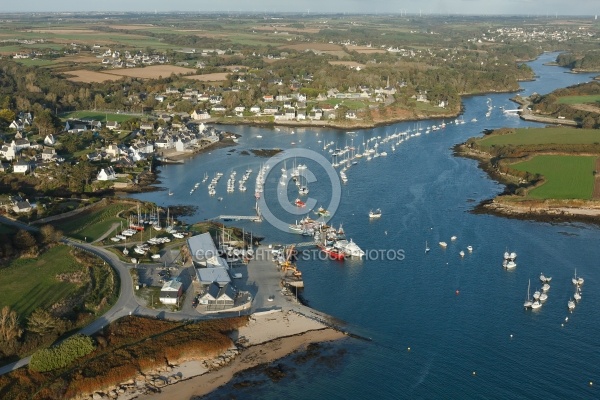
x=462, y=318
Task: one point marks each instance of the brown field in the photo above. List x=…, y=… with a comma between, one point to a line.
x=314, y=46
x=214, y=77
x=85, y=76
x=84, y=59
x=350, y=64
x=151, y=72
x=131, y=27
x=586, y=107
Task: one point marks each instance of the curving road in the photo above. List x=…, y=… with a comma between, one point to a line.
x=126, y=303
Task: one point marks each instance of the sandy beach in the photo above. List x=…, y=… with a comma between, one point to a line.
x=268, y=337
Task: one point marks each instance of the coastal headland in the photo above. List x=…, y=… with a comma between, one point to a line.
x=549, y=173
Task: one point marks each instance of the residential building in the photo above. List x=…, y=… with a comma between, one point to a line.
x=219, y=297
x=171, y=292
x=21, y=167
x=106, y=174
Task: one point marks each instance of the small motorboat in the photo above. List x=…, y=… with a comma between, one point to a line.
x=375, y=214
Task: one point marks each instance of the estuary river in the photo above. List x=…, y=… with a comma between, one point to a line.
x=442, y=326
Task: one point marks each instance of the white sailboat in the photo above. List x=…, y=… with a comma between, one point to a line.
x=426, y=247
x=528, y=303
x=577, y=281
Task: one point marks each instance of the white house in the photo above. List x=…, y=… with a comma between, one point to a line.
x=113, y=151
x=21, y=144
x=112, y=125
x=48, y=154
x=49, y=140
x=16, y=125
x=107, y=174
x=182, y=144
x=21, y=167
x=198, y=115
x=9, y=151
x=147, y=126
x=171, y=292
x=255, y=109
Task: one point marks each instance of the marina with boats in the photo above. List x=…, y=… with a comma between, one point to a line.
x=431, y=194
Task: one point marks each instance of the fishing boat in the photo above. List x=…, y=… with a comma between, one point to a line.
x=545, y=279
x=528, y=303
x=443, y=244
x=543, y=297
x=333, y=253
x=577, y=295
x=571, y=304
x=375, y=214
x=470, y=249
x=461, y=253
x=536, y=295
x=535, y=305
x=453, y=238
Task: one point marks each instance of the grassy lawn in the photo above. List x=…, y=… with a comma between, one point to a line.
x=558, y=135
x=579, y=99
x=349, y=103
x=27, y=284
x=567, y=177
x=98, y=116
x=93, y=223
x=35, y=62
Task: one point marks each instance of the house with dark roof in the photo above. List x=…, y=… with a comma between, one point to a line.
x=22, y=206
x=218, y=297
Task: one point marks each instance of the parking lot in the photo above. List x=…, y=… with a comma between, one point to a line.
x=153, y=275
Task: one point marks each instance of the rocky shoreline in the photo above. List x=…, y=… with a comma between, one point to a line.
x=268, y=337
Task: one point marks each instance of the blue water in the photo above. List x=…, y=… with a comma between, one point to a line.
x=425, y=194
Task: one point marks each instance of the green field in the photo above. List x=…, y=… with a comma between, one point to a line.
x=98, y=116
x=593, y=98
x=567, y=177
x=92, y=224
x=27, y=284
x=528, y=136
x=353, y=104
